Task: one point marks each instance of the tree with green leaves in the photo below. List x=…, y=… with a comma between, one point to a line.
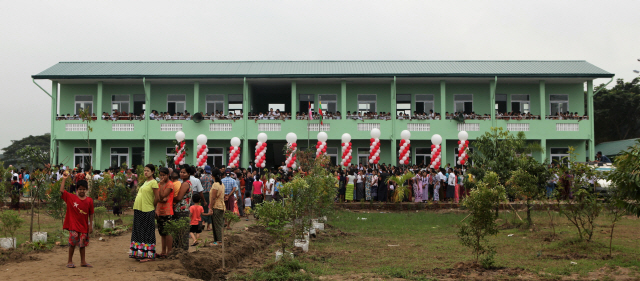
x=626, y=178
x=615, y=110
x=12, y=155
x=528, y=182
x=401, y=188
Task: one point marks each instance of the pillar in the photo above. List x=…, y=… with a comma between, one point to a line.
x=443, y=152
x=393, y=101
x=294, y=100
x=592, y=151
x=54, y=111
x=196, y=97
x=343, y=98
x=393, y=120
x=97, y=164
x=443, y=99
x=543, y=153
x=147, y=106
x=492, y=100
x=543, y=100
x=245, y=137
x=98, y=108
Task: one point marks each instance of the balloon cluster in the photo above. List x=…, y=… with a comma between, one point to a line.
x=405, y=147
x=346, y=150
x=261, y=149
x=436, y=150
x=202, y=150
x=180, y=151
x=374, y=146
x=463, y=145
x=292, y=146
x=321, y=147
x=234, y=152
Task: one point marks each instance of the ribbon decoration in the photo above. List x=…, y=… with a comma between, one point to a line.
x=346, y=150
x=234, y=152
x=202, y=150
x=463, y=147
x=374, y=146
x=180, y=150
x=321, y=146
x=261, y=149
x=292, y=147
x=436, y=151
x=405, y=148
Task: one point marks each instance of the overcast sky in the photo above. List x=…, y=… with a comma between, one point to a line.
x=35, y=35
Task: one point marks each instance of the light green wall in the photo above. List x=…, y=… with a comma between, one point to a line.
x=68, y=93
x=217, y=89
x=480, y=94
x=420, y=89
x=159, y=93
x=578, y=145
x=108, y=90
x=575, y=92
x=533, y=90
x=66, y=150
x=382, y=92
x=318, y=89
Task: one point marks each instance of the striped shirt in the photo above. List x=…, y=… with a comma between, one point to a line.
x=229, y=184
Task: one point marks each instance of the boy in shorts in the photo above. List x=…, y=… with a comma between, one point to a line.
x=196, y=218
x=79, y=212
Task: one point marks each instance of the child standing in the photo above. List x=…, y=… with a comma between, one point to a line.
x=78, y=219
x=247, y=207
x=196, y=218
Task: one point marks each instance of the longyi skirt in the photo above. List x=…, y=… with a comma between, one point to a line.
x=143, y=235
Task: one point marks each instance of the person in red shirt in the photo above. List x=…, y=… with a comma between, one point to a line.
x=78, y=219
x=195, y=213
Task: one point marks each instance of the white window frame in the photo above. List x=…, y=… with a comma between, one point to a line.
x=415, y=158
x=364, y=154
x=184, y=103
x=425, y=102
x=552, y=102
x=235, y=110
x=522, y=103
x=505, y=100
x=405, y=111
x=375, y=104
x=80, y=154
x=328, y=102
x=111, y=154
x=455, y=107
x=221, y=155
x=560, y=156
x=83, y=104
x=120, y=103
x=171, y=154
x=332, y=152
x=215, y=104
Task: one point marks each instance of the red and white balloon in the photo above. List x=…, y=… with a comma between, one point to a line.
x=404, y=153
x=374, y=146
x=463, y=147
x=346, y=150
x=321, y=146
x=234, y=152
x=261, y=149
x=180, y=150
x=202, y=150
x=436, y=151
x=292, y=147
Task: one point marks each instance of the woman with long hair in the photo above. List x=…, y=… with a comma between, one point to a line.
x=182, y=202
x=164, y=211
x=143, y=234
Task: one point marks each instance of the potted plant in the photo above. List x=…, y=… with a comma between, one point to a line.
x=10, y=221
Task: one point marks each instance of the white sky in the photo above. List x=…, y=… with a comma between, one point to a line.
x=35, y=35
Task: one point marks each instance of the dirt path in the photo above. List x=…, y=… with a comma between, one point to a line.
x=109, y=258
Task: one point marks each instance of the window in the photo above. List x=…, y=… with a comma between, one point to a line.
x=501, y=103
x=138, y=104
x=423, y=156
x=214, y=103
x=84, y=103
x=176, y=103
x=520, y=103
x=403, y=104
x=469, y=161
x=329, y=103
x=137, y=157
x=304, y=102
x=214, y=157
x=276, y=106
x=235, y=104
x=120, y=103
x=363, y=156
x=463, y=103
x=171, y=152
x=559, y=155
x=119, y=156
x=366, y=103
x=82, y=156
x=424, y=103
x=558, y=103
x=332, y=152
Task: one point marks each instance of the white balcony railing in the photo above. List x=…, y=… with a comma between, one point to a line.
x=319, y=128
x=220, y=127
x=122, y=127
x=269, y=127
x=419, y=127
x=567, y=127
x=518, y=127
x=368, y=126
x=470, y=127
x=170, y=127
x=75, y=127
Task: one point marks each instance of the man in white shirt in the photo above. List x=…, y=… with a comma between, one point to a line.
x=451, y=184
x=269, y=189
x=196, y=185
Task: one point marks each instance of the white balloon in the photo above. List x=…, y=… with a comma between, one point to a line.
x=180, y=136
x=291, y=137
x=262, y=137
x=371, y=147
x=405, y=134
x=346, y=137
x=407, y=141
x=371, y=161
x=463, y=135
x=401, y=162
x=262, y=166
x=294, y=166
x=235, y=141
x=232, y=166
x=375, y=133
x=431, y=166
x=201, y=139
x=439, y=156
x=322, y=136
x=436, y=139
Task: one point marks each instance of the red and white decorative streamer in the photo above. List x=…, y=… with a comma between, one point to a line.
x=202, y=150
x=321, y=147
x=463, y=147
x=404, y=153
x=374, y=146
x=436, y=149
x=346, y=150
x=180, y=152
x=234, y=152
x=292, y=147
x=261, y=149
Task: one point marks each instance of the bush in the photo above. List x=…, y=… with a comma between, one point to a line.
x=178, y=230
x=285, y=269
x=10, y=221
x=274, y=216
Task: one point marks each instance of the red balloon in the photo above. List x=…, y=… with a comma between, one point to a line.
x=433, y=146
x=350, y=157
x=294, y=144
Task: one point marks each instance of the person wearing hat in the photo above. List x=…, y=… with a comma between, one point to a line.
x=207, y=181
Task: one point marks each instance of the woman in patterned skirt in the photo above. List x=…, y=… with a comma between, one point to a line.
x=143, y=234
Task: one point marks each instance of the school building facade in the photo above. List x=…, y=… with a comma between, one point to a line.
x=541, y=88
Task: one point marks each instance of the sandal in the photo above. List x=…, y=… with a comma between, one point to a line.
x=71, y=265
x=161, y=256
x=195, y=243
x=86, y=265
x=147, y=260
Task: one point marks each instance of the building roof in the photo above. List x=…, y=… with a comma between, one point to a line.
x=292, y=69
x=612, y=148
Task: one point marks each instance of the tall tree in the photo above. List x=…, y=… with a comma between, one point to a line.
x=616, y=111
x=12, y=155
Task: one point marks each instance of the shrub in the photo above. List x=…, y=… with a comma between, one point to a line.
x=178, y=229
x=10, y=221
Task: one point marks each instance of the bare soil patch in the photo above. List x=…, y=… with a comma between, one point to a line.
x=473, y=271
x=15, y=256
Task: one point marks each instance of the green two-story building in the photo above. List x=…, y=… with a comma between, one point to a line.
x=543, y=90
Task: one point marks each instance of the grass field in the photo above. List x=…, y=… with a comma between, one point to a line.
x=408, y=244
